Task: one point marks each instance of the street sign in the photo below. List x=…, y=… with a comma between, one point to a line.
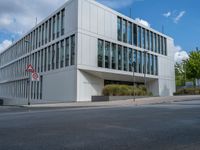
x=35, y=76
x=30, y=68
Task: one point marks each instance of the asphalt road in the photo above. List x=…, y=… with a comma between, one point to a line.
x=173, y=126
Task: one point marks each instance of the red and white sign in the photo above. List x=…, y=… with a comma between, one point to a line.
x=35, y=76
x=30, y=68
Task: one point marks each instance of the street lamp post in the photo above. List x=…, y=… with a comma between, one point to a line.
x=29, y=93
x=133, y=66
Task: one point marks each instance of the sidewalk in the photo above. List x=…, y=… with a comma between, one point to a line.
x=139, y=101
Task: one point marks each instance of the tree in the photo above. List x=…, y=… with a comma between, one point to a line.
x=193, y=65
x=180, y=74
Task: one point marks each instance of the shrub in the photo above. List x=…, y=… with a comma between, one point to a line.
x=124, y=90
x=188, y=91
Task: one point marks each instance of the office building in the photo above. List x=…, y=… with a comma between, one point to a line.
x=79, y=49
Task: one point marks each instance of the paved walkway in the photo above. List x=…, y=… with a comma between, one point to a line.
x=139, y=101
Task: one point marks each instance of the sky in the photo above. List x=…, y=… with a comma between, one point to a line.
x=176, y=18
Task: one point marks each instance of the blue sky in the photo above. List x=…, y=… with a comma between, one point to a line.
x=179, y=18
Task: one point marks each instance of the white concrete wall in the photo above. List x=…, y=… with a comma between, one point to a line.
x=71, y=16
x=96, y=19
x=166, y=71
x=60, y=86
x=88, y=85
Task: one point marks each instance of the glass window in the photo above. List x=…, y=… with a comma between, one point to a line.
x=161, y=44
x=58, y=25
x=36, y=38
x=54, y=27
x=119, y=57
x=130, y=60
x=49, y=30
x=155, y=42
x=45, y=59
x=148, y=64
x=119, y=28
x=130, y=33
x=125, y=59
x=151, y=34
x=39, y=39
x=165, y=46
x=143, y=62
x=140, y=61
x=67, y=52
x=49, y=58
x=57, y=55
x=46, y=27
x=107, y=54
x=156, y=65
x=135, y=35
x=147, y=39
x=124, y=29
x=43, y=34
x=62, y=54
x=42, y=64
x=150, y=39
x=152, y=65
x=62, y=21
x=113, y=56
x=135, y=61
x=53, y=57
x=143, y=38
x=139, y=36
x=158, y=43
x=73, y=50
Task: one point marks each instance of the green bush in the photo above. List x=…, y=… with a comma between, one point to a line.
x=124, y=90
x=188, y=91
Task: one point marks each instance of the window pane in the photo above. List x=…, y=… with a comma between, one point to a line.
x=67, y=52
x=130, y=61
x=53, y=57
x=139, y=36
x=135, y=61
x=58, y=25
x=100, y=53
x=113, y=54
x=62, y=54
x=57, y=55
x=129, y=32
x=143, y=38
x=73, y=50
x=107, y=54
x=124, y=29
x=135, y=34
x=119, y=28
x=119, y=57
x=49, y=58
x=62, y=21
x=125, y=59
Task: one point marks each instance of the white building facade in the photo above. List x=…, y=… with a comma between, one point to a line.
x=79, y=49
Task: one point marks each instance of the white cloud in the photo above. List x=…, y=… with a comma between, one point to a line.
x=180, y=55
x=18, y=16
x=167, y=14
x=143, y=22
x=179, y=16
x=4, y=45
x=116, y=4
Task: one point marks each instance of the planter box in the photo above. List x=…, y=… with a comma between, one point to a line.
x=113, y=98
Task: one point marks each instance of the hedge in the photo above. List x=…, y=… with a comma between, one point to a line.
x=188, y=91
x=124, y=90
